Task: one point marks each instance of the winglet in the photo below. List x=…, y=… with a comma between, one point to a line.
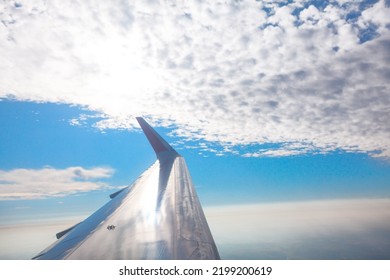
x=160, y=146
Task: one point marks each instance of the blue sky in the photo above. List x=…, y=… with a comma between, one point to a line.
x=269, y=102
x=36, y=136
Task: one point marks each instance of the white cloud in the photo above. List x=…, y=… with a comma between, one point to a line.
x=228, y=72
x=378, y=15
x=50, y=182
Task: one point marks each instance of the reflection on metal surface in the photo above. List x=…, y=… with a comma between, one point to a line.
x=157, y=217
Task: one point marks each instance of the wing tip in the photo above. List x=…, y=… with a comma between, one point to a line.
x=159, y=145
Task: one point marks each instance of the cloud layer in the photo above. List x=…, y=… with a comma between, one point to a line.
x=305, y=76
x=23, y=242
x=49, y=182
x=340, y=229
x=334, y=229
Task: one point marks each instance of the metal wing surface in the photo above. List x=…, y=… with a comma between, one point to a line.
x=158, y=217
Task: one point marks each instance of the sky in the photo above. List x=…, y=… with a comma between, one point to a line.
x=277, y=106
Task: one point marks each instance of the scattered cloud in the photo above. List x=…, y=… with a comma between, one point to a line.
x=314, y=73
x=50, y=182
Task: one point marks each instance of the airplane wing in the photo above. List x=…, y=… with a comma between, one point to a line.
x=158, y=217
